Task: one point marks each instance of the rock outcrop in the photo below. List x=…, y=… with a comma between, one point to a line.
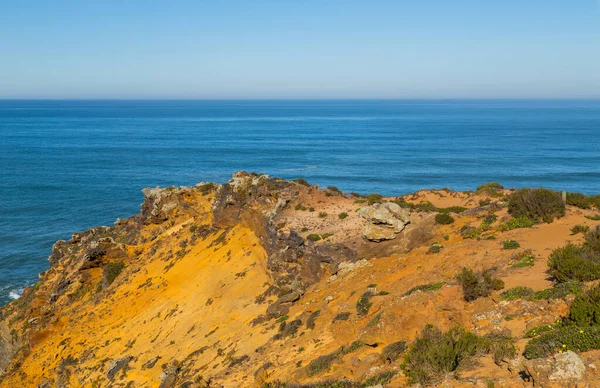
x=384, y=221
x=561, y=370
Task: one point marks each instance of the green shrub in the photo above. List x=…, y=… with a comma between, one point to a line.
x=595, y=201
x=585, y=310
x=436, y=247
x=364, y=303
x=313, y=237
x=376, y=380
x=593, y=218
x=510, y=244
x=373, y=198
x=539, y=205
x=322, y=214
x=322, y=363
x=575, y=338
x=541, y=329
x=310, y=321
x=559, y=291
x=517, y=223
x=342, y=215
x=110, y=272
x=300, y=207
x=490, y=188
x=519, y=292
x=425, y=288
x=434, y=354
x=476, y=285
x=426, y=206
x=302, y=182
x=500, y=345
x=334, y=189
x=488, y=221
x=573, y=262
x=469, y=231
x=592, y=241
x=524, y=259
x=444, y=218
x=579, y=200
x=393, y=351
x=341, y=317
x=583, y=229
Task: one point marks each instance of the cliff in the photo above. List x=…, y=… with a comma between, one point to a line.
x=266, y=282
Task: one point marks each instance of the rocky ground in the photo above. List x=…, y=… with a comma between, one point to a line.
x=270, y=283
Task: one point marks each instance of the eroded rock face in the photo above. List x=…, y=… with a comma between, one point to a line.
x=385, y=220
x=6, y=347
x=561, y=370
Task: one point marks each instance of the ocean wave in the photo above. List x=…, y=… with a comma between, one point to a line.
x=15, y=294
x=298, y=169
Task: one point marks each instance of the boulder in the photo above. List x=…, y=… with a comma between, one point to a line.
x=561, y=370
x=377, y=233
x=385, y=220
x=116, y=366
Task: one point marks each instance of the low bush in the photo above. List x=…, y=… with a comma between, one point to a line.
x=490, y=188
x=579, y=200
x=517, y=223
x=583, y=229
x=313, y=237
x=322, y=363
x=310, y=321
x=510, y=244
x=500, y=345
x=585, y=309
x=425, y=288
x=559, y=291
x=575, y=338
x=452, y=209
x=364, y=303
x=593, y=218
x=519, y=292
x=301, y=181
x=436, y=247
x=322, y=214
x=573, y=262
x=444, y=218
x=539, y=205
x=373, y=198
x=110, y=272
x=393, y=351
x=477, y=285
x=541, y=329
x=342, y=215
x=341, y=317
x=434, y=354
x=523, y=259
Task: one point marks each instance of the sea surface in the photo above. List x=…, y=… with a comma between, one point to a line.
x=69, y=165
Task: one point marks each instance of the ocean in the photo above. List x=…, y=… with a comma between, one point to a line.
x=71, y=165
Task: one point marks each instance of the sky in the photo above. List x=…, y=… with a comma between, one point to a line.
x=287, y=49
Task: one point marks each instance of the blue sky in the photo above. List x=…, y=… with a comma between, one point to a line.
x=300, y=49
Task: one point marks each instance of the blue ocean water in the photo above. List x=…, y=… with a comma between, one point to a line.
x=71, y=165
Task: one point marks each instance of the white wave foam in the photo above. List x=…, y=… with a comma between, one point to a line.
x=15, y=294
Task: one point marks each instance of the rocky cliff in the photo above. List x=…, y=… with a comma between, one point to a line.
x=266, y=282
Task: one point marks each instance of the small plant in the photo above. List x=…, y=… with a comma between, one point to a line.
x=300, y=207
x=334, y=190
x=524, y=259
x=373, y=198
x=510, y=244
x=583, y=229
x=519, y=292
x=436, y=247
x=341, y=317
x=325, y=236
x=539, y=205
x=393, y=351
x=313, y=237
x=304, y=229
x=517, y=223
x=310, y=321
x=322, y=214
x=193, y=228
x=425, y=288
x=493, y=189
x=444, y=218
x=593, y=218
x=302, y=182
x=110, y=272
x=541, y=329
x=364, y=303
x=476, y=285
x=342, y=215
